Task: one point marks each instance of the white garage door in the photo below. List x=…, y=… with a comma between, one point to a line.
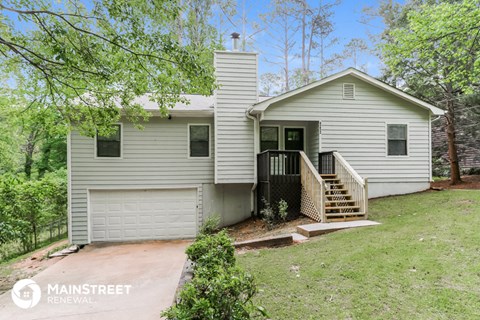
x=119, y=215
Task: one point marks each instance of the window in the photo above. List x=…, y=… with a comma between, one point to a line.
x=199, y=136
x=110, y=146
x=397, y=139
x=268, y=138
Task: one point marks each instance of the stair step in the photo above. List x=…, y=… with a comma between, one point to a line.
x=331, y=202
x=337, y=190
x=345, y=218
x=343, y=208
x=344, y=214
x=331, y=180
x=328, y=176
x=343, y=196
x=335, y=185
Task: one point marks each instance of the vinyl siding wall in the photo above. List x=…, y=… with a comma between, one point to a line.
x=357, y=128
x=156, y=157
x=311, y=136
x=237, y=77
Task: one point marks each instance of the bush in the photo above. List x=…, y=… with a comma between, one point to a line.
x=272, y=217
x=211, y=251
x=210, y=225
x=219, y=289
x=226, y=296
x=282, y=210
x=26, y=204
x=473, y=171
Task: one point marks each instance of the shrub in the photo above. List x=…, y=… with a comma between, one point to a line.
x=219, y=289
x=272, y=217
x=26, y=204
x=226, y=296
x=210, y=225
x=282, y=209
x=473, y=171
x=211, y=251
x=268, y=215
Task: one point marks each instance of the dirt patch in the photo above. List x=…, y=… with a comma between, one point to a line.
x=256, y=228
x=468, y=182
x=29, y=266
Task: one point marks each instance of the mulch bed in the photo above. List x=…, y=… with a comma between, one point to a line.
x=255, y=228
x=468, y=182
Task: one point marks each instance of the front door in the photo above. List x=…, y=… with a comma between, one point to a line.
x=294, y=139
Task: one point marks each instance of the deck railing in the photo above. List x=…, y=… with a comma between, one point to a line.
x=357, y=186
x=326, y=162
x=279, y=179
x=313, y=190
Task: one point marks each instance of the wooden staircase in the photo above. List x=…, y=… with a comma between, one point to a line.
x=339, y=204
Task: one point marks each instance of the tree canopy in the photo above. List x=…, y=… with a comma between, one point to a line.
x=88, y=62
x=435, y=52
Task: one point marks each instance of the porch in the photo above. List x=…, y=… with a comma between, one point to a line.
x=329, y=191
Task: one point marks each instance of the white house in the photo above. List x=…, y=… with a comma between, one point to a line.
x=223, y=154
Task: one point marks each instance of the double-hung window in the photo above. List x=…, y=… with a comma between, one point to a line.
x=268, y=138
x=397, y=136
x=199, y=136
x=110, y=146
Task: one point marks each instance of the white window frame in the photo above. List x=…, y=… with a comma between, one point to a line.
x=408, y=139
x=121, y=145
x=209, y=140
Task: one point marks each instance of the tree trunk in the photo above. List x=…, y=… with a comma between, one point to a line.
x=29, y=149
x=304, y=39
x=455, y=177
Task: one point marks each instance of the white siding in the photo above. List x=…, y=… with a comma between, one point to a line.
x=237, y=79
x=357, y=128
x=156, y=157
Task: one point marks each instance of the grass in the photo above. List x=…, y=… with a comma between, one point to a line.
x=423, y=262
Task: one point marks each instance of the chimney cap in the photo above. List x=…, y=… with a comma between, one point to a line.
x=235, y=35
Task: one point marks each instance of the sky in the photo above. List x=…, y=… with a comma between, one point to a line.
x=347, y=25
x=346, y=19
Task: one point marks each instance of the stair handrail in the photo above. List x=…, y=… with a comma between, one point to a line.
x=349, y=168
x=360, y=194
x=307, y=172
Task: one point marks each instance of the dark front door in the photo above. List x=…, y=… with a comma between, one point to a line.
x=294, y=139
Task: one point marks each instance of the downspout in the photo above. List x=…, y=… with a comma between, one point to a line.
x=256, y=124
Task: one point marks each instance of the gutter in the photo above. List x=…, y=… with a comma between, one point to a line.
x=256, y=125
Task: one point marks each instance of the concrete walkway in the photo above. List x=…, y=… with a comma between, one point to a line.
x=316, y=229
x=109, y=281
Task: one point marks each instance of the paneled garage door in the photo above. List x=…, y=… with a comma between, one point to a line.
x=122, y=215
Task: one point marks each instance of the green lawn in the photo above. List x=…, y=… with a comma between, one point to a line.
x=423, y=262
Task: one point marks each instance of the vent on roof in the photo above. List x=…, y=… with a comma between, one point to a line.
x=348, y=91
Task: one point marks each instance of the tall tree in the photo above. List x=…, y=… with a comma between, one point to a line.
x=194, y=25
x=270, y=84
x=353, y=49
x=281, y=29
x=439, y=49
x=324, y=28
x=89, y=60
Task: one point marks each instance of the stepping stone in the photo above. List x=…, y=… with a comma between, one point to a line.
x=316, y=229
x=297, y=237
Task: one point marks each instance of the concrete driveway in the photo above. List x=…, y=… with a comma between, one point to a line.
x=107, y=281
